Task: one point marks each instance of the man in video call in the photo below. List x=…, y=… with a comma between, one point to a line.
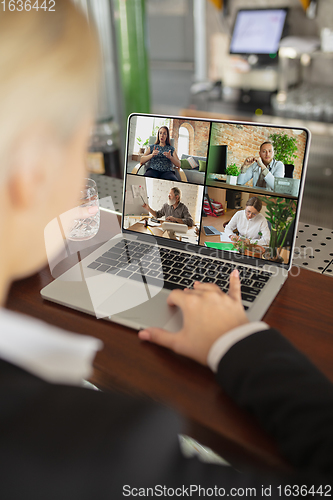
x=174, y=210
x=262, y=169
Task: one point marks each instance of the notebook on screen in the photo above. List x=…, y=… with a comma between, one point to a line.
x=128, y=278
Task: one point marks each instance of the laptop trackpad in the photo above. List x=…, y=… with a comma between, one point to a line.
x=153, y=312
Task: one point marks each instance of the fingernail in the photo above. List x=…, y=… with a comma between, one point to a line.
x=144, y=335
x=236, y=273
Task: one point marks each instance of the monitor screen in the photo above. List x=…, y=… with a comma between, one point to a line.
x=217, y=159
x=257, y=31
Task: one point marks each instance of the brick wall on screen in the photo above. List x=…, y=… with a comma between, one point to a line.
x=245, y=140
x=198, y=134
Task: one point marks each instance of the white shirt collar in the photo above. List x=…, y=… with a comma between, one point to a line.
x=270, y=164
x=249, y=220
x=46, y=351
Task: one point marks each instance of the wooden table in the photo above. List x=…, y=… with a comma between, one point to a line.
x=189, y=236
x=302, y=311
x=216, y=222
x=155, y=230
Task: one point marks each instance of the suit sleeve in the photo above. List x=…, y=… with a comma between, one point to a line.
x=68, y=443
x=291, y=399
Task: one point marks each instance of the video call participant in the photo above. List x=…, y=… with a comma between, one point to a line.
x=64, y=442
x=249, y=223
x=262, y=169
x=174, y=210
x=162, y=157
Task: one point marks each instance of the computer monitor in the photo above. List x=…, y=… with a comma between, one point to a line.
x=217, y=159
x=257, y=31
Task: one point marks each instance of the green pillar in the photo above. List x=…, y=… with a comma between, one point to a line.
x=131, y=35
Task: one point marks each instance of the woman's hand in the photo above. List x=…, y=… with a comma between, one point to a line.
x=234, y=237
x=149, y=153
x=208, y=313
x=167, y=154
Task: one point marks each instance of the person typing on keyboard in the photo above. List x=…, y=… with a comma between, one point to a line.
x=60, y=441
x=261, y=371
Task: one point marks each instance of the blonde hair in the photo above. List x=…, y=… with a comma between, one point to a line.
x=49, y=73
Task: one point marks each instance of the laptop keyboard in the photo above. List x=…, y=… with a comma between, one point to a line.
x=171, y=269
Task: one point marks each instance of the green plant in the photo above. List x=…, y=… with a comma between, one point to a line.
x=285, y=148
x=155, y=130
x=280, y=213
x=142, y=144
x=232, y=169
x=241, y=245
x=244, y=246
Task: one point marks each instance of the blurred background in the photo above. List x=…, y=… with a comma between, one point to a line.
x=228, y=59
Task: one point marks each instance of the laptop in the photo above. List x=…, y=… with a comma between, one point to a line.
x=128, y=278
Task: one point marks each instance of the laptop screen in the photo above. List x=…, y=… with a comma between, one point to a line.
x=215, y=187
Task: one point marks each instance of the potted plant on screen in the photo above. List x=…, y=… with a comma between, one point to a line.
x=246, y=247
x=232, y=172
x=285, y=148
x=140, y=144
x=280, y=213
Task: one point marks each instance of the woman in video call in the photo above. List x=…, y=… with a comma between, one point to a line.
x=262, y=169
x=162, y=157
x=249, y=223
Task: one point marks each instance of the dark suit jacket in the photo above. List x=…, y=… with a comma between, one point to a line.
x=62, y=442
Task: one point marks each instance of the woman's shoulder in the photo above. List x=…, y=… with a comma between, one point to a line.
x=261, y=217
x=237, y=214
